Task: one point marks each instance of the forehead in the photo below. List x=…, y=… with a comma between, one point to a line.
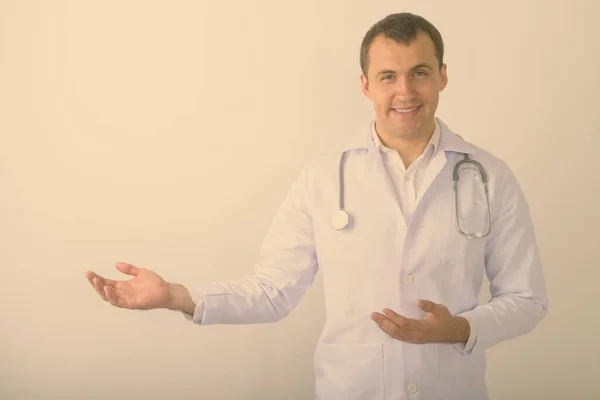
x=386, y=52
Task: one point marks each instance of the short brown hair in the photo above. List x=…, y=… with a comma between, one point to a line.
x=402, y=28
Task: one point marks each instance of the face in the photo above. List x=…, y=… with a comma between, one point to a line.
x=403, y=82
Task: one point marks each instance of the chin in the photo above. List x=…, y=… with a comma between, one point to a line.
x=413, y=125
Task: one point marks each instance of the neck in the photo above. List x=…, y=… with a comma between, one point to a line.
x=408, y=147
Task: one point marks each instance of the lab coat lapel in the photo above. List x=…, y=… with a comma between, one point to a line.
x=385, y=179
x=435, y=166
x=364, y=141
x=449, y=142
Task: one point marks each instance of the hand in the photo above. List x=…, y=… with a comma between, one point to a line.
x=146, y=291
x=438, y=326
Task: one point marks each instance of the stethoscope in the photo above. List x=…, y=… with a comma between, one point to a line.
x=340, y=219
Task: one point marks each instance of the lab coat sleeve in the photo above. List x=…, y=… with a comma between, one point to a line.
x=198, y=311
x=285, y=269
x=512, y=262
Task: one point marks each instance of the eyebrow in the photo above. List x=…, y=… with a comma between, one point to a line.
x=390, y=71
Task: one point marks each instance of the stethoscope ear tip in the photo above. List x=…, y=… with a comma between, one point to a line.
x=339, y=220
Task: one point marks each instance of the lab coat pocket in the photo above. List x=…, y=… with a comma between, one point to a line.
x=349, y=371
x=458, y=373
x=463, y=218
x=451, y=248
x=455, y=254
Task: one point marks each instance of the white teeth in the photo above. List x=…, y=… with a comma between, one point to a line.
x=405, y=111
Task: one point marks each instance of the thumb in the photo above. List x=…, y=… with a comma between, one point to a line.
x=427, y=306
x=127, y=268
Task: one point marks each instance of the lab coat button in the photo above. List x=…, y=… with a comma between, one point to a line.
x=408, y=278
x=412, y=387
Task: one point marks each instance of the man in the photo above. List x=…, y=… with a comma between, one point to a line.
x=402, y=258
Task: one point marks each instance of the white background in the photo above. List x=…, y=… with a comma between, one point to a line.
x=165, y=134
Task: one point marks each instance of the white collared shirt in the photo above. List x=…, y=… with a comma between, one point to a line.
x=406, y=181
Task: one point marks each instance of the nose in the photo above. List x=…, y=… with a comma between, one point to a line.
x=404, y=88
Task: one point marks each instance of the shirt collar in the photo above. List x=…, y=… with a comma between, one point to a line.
x=429, y=151
x=447, y=141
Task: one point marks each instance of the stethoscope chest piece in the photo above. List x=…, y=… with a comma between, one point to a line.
x=339, y=220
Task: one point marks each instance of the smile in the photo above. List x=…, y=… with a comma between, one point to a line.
x=407, y=112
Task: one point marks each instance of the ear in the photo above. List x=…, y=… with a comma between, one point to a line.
x=444, y=77
x=364, y=81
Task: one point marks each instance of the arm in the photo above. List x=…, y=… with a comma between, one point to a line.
x=285, y=269
x=518, y=293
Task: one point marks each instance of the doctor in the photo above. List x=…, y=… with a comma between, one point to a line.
x=401, y=280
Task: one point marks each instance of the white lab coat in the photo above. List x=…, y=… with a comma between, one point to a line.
x=380, y=262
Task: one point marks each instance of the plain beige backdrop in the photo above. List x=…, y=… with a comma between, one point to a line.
x=166, y=133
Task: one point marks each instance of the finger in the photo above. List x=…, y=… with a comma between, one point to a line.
x=437, y=309
x=104, y=281
x=91, y=281
x=91, y=276
x=97, y=283
x=108, y=282
x=427, y=305
x=127, y=268
x=109, y=294
x=112, y=296
x=403, y=322
x=394, y=330
x=386, y=324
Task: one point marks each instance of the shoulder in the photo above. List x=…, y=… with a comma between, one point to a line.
x=456, y=141
x=496, y=165
x=503, y=186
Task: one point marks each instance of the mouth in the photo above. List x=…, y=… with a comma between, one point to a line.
x=406, y=112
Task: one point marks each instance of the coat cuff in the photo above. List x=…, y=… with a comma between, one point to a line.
x=198, y=314
x=468, y=347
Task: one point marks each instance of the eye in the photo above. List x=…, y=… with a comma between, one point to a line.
x=422, y=73
x=385, y=77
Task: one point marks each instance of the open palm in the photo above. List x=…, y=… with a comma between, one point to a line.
x=145, y=291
